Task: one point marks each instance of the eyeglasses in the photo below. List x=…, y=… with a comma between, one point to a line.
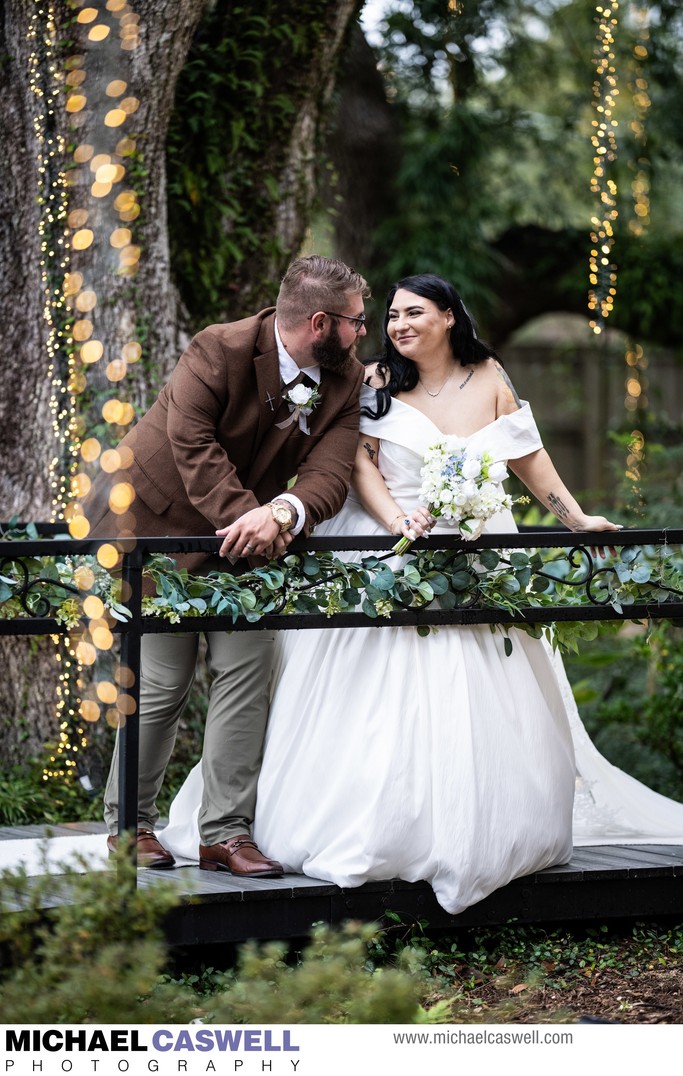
x=357, y=322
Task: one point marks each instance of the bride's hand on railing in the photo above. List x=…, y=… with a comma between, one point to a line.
x=598, y=523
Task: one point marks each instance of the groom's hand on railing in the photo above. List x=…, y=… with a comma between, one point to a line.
x=255, y=534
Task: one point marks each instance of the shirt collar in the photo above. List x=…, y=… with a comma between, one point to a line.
x=288, y=368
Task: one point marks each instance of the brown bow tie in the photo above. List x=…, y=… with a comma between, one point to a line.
x=300, y=379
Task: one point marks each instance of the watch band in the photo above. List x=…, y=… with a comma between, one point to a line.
x=283, y=513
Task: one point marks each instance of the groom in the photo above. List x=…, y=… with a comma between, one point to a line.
x=216, y=453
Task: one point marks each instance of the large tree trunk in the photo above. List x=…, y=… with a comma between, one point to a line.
x=299, y=179
x=364, y=147
x=38, y=133
x=121, y=293
x=24, y=402
x=247, y=147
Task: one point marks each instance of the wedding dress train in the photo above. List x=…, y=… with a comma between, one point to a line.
x=441, y=758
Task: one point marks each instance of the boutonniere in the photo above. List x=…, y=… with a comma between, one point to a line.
x=301, y=400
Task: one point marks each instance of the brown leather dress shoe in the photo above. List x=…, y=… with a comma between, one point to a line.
x=239, y=855
x=151, y=853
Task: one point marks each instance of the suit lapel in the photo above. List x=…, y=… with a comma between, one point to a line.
x=268, y=389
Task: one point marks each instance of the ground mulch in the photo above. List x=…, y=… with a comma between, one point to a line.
x=653, y=996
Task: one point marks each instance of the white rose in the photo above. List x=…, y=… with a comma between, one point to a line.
x=498, y=472
x=454, y=444
x=299, y=395
x=476, y=526
x=471, y=468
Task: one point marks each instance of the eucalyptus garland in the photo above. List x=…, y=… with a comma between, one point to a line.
x=319, y=582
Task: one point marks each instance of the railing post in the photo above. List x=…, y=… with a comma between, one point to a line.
x=129, y=688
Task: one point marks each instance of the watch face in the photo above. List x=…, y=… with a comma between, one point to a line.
x=282, y=515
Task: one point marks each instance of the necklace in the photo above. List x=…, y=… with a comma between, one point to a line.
x=437, y=393
x=433, y=394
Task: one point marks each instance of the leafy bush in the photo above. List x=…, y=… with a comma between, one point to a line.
x=26, y=798
x=331, y=983
x=81, y=948
x=628, y=685
x=90, y=948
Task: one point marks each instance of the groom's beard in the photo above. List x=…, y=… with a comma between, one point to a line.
x=330, y=354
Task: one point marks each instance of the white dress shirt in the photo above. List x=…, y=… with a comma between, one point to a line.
x=289, y=370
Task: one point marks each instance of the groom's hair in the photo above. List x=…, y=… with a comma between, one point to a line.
x=316, y=283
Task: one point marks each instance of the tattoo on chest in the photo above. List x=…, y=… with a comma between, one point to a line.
x=370, y=450
x=463, y=383
x=558, y=506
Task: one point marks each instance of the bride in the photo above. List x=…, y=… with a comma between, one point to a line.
x=441, y=758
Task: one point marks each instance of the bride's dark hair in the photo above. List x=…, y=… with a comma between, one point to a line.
x=400, y=374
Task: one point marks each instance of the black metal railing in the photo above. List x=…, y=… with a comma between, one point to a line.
x=597, y=605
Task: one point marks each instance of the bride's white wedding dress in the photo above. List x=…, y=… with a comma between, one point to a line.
x=389, y=754
x=437, y=758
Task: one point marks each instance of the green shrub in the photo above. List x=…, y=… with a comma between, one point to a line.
x=330, y=984
x=82, y=948
x=90, y=948
x=26, y=798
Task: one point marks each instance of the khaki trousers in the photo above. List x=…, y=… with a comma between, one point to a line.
x=240, y=666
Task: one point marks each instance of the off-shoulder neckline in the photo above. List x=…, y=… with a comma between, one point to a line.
x=467, y=437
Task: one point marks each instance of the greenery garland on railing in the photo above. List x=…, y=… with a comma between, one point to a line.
x=319, y=582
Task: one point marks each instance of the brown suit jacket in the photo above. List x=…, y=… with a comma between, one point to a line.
x=208, y=449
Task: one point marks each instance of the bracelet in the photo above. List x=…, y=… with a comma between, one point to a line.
x=391, y=525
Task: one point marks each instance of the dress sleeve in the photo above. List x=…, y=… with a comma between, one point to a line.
x=515, y=435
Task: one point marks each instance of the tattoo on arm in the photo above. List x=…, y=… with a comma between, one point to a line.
x=370, y=450
x=558, y=506
x=508, y=384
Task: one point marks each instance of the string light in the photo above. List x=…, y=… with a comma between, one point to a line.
x=602, y=270
x=103, y=229
x=97, y=233
x=46, y=82
x=636, y=383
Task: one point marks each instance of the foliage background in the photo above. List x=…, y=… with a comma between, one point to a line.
x=458, y=141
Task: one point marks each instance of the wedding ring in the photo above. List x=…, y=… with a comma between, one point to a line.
x=248, y=546
x=406, y=522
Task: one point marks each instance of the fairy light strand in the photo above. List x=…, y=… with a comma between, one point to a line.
x=101, y=225
x=602, y=270
x=636, y=382
x=45, y=83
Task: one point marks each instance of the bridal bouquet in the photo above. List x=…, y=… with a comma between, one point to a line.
x=462, y=487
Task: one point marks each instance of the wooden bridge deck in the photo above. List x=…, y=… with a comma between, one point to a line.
x=598, y=884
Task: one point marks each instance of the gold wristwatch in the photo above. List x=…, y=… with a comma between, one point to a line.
x=283, y=513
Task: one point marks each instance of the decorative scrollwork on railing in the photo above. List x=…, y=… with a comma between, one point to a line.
x=479, y=579
x=26, y=588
